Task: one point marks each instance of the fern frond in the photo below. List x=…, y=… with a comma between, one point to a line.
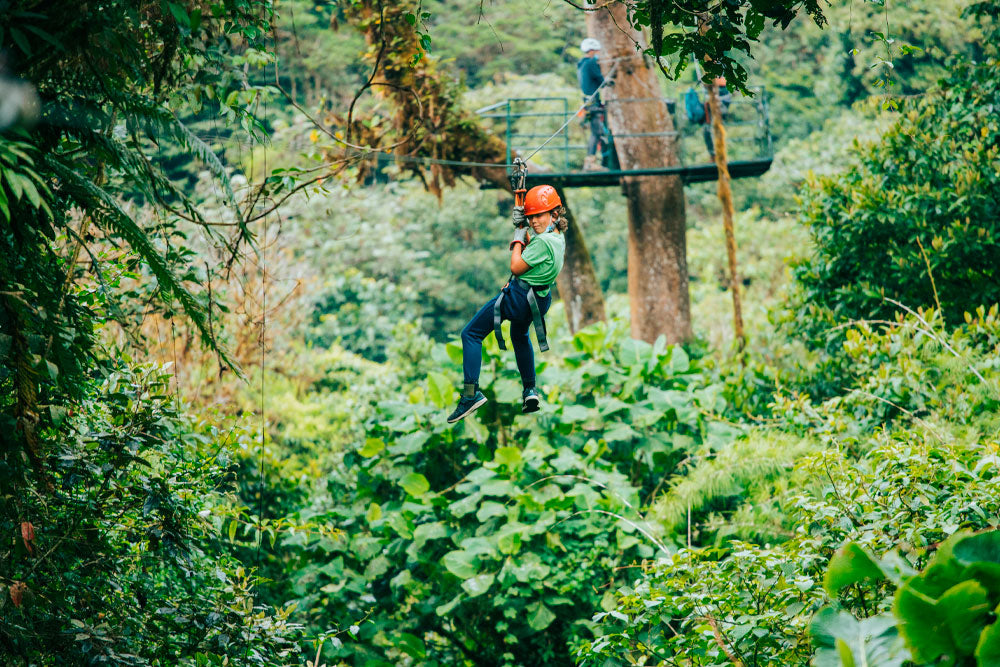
x=106, y=211
x=81, y=119
x=140, y=172
x=759, y=457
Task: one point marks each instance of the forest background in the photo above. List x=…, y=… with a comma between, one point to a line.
x=228, y=350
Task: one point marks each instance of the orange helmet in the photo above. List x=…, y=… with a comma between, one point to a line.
x=540, y=199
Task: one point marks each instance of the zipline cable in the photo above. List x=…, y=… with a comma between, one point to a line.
x=413, y=159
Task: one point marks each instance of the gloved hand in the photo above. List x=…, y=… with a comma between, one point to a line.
x=520, y=235
x=519, y=218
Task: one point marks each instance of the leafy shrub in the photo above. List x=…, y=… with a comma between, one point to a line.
x=915, y=218
x=359, y=313
x=494, y=540
x=945, y=613
x=902, y=461
x=121, y=562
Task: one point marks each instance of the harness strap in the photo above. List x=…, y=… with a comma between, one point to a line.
x=496, y=319
x=537, y=321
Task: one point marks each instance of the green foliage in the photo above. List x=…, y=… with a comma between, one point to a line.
x=842, y=640
x=814, y=75
x=713, y=35
x=908, y=459
x=913, y=219
x=123, y=563
x=946, y=612
x=494, y=540
x=112, y=491
x=694, y=606
x=358, y=313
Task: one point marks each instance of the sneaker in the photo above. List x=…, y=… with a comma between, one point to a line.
x=530, y=400
x=466, y=406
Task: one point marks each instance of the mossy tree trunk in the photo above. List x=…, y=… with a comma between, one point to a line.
x=657, y=262
x=430, y=122
x=726, y=200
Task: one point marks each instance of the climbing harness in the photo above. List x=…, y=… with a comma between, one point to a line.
x=537, y=319
x=517, y=178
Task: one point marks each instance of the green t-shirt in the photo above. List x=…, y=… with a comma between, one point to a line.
x=544, y=254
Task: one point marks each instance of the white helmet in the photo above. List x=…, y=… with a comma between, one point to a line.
x=590, y=44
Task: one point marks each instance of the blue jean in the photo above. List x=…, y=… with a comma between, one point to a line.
x=515, y=309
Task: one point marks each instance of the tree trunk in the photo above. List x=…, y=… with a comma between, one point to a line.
x=657, y=261
x=577, y=282
x=438, y=127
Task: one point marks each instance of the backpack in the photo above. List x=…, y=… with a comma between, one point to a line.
x=693, y=106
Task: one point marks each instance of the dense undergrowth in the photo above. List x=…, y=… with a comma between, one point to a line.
x=292, y=493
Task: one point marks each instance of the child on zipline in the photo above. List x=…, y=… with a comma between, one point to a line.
x=535, y=261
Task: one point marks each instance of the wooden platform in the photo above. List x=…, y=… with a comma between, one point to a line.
x=697, y=173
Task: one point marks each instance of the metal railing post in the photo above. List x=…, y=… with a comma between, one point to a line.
x=566, y=134
x=509, y=135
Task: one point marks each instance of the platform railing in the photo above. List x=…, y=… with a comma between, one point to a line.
x=528, y=122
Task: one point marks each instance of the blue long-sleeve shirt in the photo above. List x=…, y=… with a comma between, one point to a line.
x=588, y=73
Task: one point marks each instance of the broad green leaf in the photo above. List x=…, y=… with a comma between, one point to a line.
x=850, y=565
x=473, y=428
x=529, y=567
x=590, y=339
x=944, y=570
x=966, y=610
x=478, y=585
x=659, y=347
x=507, y=390
x=620, y=433
x=574, y=413
x=31, y=192
x=842, y=641
x=508, y=456
x=498, y=487
x=14, y=182
x=371, y=447
x=922, y=624
x=399, y=523
x=987, y=574
x=634, y=352
x=446, y=608
x=844, y=653
x=461, y=563
x=490, y=509
x=454, y=351
x=539, y=616
x=411, y=645
x=439, y=389
x=509, y=544
x=409, y=443
x=428, y=531
x=20, y=40
x=415, y=484
x=463, y=506
x=988, y=648
x=679, y=360
x=179, y=14
x=374, y=512
x=976, y=548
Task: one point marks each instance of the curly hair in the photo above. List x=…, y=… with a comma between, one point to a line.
x=559, y=218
